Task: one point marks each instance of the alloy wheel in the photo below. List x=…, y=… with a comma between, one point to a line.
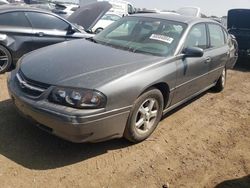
x=4, y=60
x=146, y=115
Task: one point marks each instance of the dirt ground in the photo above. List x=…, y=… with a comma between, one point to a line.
x=205, y=143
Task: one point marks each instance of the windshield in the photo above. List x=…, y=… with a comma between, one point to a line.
x=143, y=35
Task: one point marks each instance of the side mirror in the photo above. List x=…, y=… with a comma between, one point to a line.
x=71, y=30
x=193, y=52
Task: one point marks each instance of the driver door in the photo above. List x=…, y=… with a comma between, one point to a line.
x=192, y=73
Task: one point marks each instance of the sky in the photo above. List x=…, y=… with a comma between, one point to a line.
x=208, y=7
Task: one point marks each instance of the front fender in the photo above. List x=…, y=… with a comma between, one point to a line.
x=123, y=91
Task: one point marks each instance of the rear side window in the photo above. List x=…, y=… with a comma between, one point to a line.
x=15, y=19
x=197, y=37
x=46, y=21
x=217, y=38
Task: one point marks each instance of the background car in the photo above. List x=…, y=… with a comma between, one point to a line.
x=24, y=29
x=3, y=2
x=65, y=8
x=239, y=26
x=190, y=11
x=120, y=82
x=105, y=21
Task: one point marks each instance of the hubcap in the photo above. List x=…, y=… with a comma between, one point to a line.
x=3, y=60
x=146, y=115
x=223, y=77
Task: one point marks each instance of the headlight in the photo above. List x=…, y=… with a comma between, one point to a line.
x=78, y=98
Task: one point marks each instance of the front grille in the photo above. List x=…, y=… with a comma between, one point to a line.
x=30, y=87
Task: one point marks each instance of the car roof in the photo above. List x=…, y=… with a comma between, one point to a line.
x=174, y=17
x=19, y=7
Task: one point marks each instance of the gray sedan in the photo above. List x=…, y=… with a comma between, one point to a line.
x=120, y=82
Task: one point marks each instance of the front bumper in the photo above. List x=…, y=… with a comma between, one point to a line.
x=74, y=125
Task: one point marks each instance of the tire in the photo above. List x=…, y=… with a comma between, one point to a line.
x=98, y=30
x=144, y=116
x=221, y=83
x=5, y=60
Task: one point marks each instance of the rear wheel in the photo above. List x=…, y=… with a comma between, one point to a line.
x=145, y=116
x=220, y=85
x=5, y=59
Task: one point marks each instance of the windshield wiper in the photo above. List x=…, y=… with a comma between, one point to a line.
x=136, y=50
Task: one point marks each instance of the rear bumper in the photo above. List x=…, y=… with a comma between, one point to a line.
x=69, y=124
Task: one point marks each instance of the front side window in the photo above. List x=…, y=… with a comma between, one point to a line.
x=46, y=21
x=197, y=37
x=14, y=19
x=143, y=35
x=217, y=38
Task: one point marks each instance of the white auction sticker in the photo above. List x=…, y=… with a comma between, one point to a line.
x=162, y=38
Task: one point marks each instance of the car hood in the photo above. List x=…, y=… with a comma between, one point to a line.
x=237, y=19
x=87, y=16
x=82, y=64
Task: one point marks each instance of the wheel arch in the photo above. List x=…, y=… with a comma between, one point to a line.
x=4, y=44
x=164, y=89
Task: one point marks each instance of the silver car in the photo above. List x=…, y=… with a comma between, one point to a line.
x=120, y=82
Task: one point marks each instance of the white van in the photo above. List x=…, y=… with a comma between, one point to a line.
x=120, y=7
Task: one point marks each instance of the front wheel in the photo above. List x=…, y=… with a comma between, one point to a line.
x=220, y=85
x=5, y=59
x=145, y=116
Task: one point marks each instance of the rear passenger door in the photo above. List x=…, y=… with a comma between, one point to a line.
x=218, y=51
x=48, y=29
x=19, y=33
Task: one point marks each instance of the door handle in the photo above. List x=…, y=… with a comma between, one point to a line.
x=40, y=34
x=208, y=60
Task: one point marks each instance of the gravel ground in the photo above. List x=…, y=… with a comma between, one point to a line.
x=205, y=143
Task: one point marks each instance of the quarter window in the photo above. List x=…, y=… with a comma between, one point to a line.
x=15, y=19
x=46, y=21
x=216, y=34
x=197, y=37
